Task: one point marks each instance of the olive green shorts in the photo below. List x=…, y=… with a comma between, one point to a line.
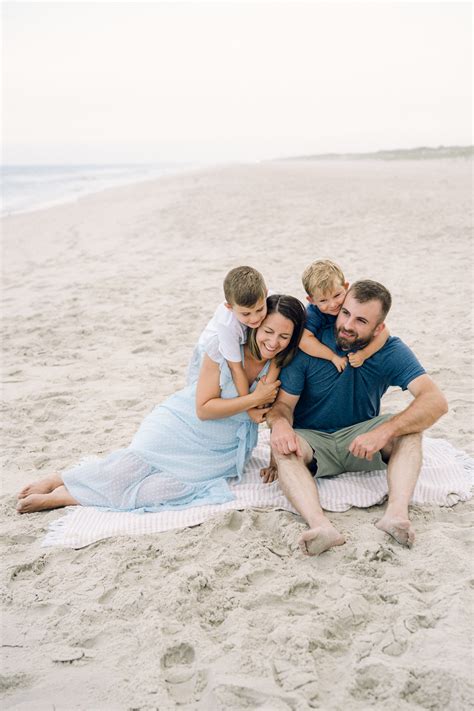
x=331, y=450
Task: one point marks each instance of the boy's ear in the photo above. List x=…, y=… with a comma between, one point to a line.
x=310, y=299
x=346, y=285
x=228, y=306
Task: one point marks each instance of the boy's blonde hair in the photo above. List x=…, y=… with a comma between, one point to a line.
x=244, y=286
x=321, y=276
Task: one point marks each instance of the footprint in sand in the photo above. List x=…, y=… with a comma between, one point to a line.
x=179, y=672
x=290, y=679
x=226, y=527
x=34, y=567
x=256, y=695
x=8, y=682
x=373, y=683
x=437, y=690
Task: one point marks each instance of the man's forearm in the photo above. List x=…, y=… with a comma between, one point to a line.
x=423, y=412
x=279, y=411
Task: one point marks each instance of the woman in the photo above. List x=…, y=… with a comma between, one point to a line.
x=187, y=448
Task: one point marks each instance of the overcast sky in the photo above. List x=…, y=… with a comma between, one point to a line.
x=118, y=82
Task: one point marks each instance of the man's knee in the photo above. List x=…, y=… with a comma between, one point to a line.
x=408, y=444
x=305, y=448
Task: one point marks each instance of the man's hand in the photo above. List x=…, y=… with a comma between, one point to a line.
x=356, y=359
x=366, y=445
x=284, y=438
x=339, y=362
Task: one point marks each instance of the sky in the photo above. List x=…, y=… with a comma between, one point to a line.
x=102, y=82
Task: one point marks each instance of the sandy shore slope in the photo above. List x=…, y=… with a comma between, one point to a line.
x=104, y=300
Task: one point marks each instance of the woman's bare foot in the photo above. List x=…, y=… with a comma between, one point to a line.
x=269, y=474
x=42, y=486
x=317, y=540
x=399, y=528
x=41, y=502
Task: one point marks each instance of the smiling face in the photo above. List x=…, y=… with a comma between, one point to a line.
x=251, y=316
x=358, y=323
x=330, y=301
x=274, y=335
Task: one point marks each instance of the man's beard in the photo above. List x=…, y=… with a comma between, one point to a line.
x=346, y=345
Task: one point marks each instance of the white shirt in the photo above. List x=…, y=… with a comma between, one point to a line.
x=223, y=336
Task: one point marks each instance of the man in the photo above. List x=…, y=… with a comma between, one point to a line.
x=326, y=422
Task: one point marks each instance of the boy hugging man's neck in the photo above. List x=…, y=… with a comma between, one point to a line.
x=326, y=289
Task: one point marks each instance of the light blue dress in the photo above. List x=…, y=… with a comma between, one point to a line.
x=175, y=459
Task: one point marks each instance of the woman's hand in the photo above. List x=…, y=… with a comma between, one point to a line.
x=265, y=392
x=258, y=414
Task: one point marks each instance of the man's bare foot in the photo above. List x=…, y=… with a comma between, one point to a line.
x=42, y=486
x=317, y=540
x=269, y=474
x=399, y=528
x=42, y=502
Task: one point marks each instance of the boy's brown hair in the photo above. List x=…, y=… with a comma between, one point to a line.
x=244, y=286
x=321, y=276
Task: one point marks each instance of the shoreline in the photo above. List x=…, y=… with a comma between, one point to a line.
x=114, y=184
x=408, y=155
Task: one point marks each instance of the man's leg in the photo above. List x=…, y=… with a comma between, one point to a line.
x=300, y=489
x=404, y=464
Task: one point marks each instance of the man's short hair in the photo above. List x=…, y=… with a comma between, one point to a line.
x=244, y=286
x=368, y=290
x=322, y=276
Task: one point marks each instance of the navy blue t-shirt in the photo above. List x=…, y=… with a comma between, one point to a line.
x=329, y=400
x=316, y=320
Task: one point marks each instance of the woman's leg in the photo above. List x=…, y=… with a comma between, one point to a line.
x=57, y=498
x=43, y=486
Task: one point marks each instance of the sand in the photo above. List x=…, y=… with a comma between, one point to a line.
x=104, y=299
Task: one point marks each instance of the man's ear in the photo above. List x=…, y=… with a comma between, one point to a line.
x=228, y=306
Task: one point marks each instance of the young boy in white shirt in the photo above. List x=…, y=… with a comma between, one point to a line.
x=244, y=307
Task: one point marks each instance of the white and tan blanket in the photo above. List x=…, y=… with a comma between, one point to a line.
x=446, y=479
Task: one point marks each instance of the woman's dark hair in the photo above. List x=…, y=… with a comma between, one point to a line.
x=294, y=311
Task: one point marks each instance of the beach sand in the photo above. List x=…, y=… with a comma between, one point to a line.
x=104, y=299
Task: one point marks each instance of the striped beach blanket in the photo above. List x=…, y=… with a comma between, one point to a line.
x=445, y=479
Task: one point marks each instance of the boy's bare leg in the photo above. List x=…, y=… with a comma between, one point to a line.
x=300, y=489
x=42, y=486
x=39, y=502
x=403, y=469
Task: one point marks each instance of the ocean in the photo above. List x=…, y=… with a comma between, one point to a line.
x=31, y=187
